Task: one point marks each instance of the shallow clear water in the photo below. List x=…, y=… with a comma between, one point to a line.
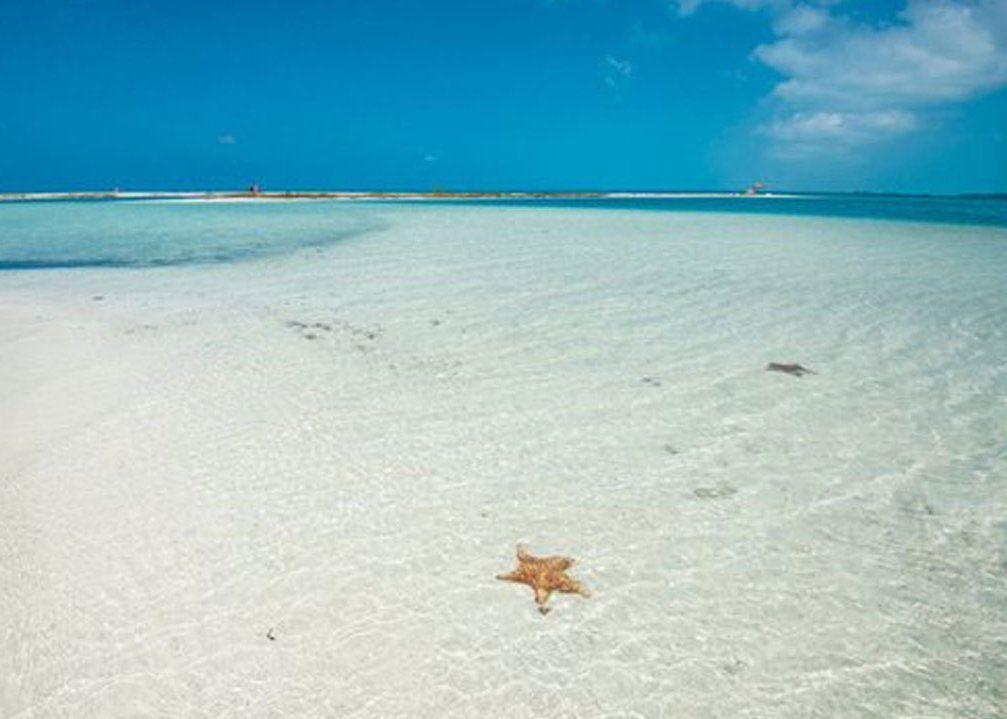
x=390, y=416
x=953, y=210
x=37, y=235
x=151, y=233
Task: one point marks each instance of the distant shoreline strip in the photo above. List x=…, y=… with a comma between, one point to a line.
x=393, y=196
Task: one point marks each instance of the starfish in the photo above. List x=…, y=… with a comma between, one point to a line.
x=545, y=575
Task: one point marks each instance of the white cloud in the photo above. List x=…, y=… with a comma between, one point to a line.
x=843, y=128
x=840, y=136
x=616, y=70
x=941, y=51
x=622, y=67
x=687, y=7
x=801, y=20
x=855, y=83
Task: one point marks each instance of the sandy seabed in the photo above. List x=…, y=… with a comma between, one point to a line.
x=284, y=487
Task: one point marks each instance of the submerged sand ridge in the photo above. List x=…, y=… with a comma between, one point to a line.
x=286, y=487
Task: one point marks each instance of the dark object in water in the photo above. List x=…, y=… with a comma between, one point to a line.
x=795, y=369
x=269, y=635
x=720, y=490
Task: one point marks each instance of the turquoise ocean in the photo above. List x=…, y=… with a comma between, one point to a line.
x=114, y=233
x=589, y=377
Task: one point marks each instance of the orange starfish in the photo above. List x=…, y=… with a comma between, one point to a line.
x=545, y=575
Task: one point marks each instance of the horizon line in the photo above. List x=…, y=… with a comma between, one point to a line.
x=443, y=193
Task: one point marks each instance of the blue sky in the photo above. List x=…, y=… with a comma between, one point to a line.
x=882, y=95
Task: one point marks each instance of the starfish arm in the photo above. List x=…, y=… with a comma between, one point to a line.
x=572, y=586
x=542, y=596
x=514, y=576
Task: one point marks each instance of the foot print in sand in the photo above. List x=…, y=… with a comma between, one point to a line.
x=142, y=329
x=734, y=666
x=310, y=331
x=720, y=490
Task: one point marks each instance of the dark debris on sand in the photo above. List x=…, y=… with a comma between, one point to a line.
x=791, y=368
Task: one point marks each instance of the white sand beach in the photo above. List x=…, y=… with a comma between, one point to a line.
x=283, y=487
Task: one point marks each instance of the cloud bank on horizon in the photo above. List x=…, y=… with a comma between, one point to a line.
x=850, y=83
